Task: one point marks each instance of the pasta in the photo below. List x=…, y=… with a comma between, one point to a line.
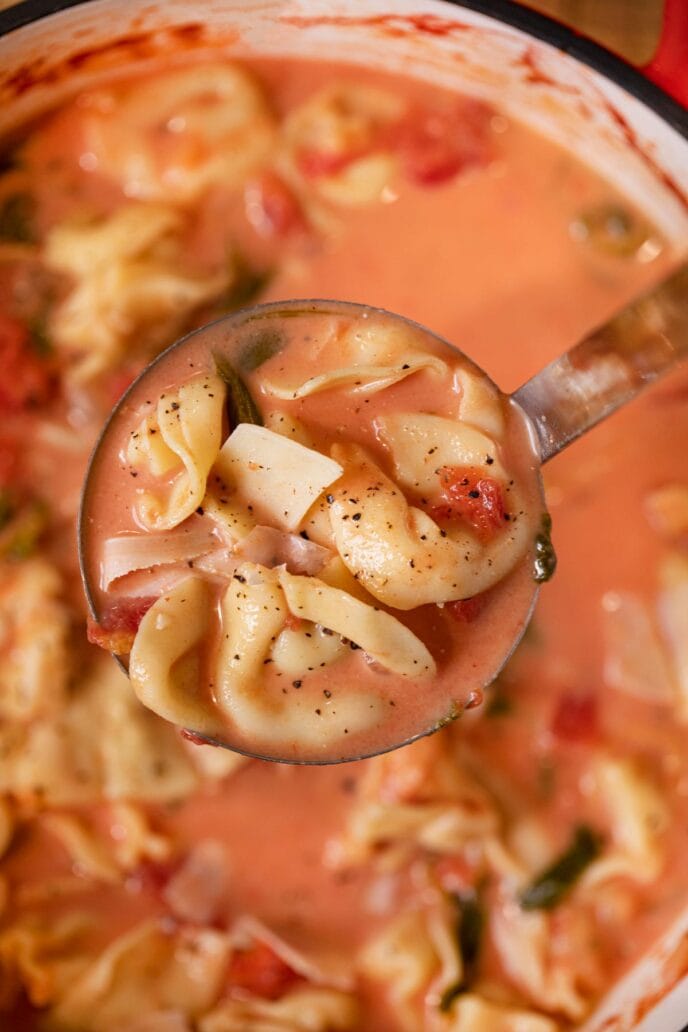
x=305, y=554
x=127, y=280
x=498, y=875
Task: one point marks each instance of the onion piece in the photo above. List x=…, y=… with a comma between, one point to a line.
x=128, y=552
x=270, y=547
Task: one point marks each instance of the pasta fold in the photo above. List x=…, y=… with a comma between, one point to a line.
x=189, y=422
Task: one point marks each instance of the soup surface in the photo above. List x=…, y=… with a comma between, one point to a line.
x=328, y=554
x=486, y=877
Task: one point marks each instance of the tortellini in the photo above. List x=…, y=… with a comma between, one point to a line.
x=368, y=358
x=422, y=444
x=334, y=141
x=165, y=661
x=187, y=428
x=398, y=553
x=171, y=137
x=127, y=282
x=254, y=612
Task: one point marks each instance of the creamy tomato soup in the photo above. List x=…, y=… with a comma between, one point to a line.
x=500, y=874
x=356, y=559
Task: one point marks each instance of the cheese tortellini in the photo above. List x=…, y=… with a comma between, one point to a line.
x=309, y=617
x=128, y=279
x=182, y=437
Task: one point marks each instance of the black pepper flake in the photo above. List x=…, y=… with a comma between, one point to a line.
x=356, y=516
x=237, y=656
x=406, y=366
x=327, y=693
x=353, y=646
x=319, y=712
x=296, y=684
x=474, y=494
x=489, y=460
x=329, y=499
x=239, y=577
x=174, y=406
x=200, y=510
x=132, y=473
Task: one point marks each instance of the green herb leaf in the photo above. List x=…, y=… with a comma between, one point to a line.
x=469, y=934
x=258, y=347
x=557, y=880
x=22, y=531
x=545, y=562
x=241, y=408
x=16, y=219
x=611, y=230
x=247, y=284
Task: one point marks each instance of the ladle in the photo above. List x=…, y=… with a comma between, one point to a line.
x=567, y=398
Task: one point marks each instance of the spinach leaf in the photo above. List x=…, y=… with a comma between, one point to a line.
x=469, y=934
x=550, y=887
x=241, y=408
x=259, y=346
x=246, y=284
x=545, y=562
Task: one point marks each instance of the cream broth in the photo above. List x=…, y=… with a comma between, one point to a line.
x=102, y=804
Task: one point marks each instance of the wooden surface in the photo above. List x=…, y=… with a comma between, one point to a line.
x=629, y=27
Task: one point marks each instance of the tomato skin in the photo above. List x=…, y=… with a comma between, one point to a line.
x=469, y=495
x=271, y=207
x=117, y=628
x=436, y=146
x=314, y=164
x=258, y=970
x=466, y=610
x=455, y=874
x=575, y=717
x=26, y=379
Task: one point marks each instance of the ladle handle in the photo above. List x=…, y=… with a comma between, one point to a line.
x=609, y=367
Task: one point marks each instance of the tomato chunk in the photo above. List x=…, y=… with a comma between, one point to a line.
x=26, y=379
x=271, y=207
x=117, y=628
x=455, y=874
x=575, y=718
x=466, y=610
x=469, y=495
x=260, y=971
x=435, y=146
x=316, y=163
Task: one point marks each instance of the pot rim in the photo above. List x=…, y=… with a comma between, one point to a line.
x=527, y=20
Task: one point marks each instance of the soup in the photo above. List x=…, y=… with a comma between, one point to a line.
x=329, y=553
x=486, y=875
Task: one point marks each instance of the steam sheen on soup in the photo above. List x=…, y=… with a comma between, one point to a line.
x=500, y=874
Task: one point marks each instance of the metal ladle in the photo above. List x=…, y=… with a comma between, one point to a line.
x=564, y=400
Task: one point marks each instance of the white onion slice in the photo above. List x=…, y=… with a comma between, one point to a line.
x=128, y=552
x=270, y=547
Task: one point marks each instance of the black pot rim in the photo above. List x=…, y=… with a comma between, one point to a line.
x=527, y=20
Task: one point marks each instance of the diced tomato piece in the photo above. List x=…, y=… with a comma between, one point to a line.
x=455, y=874
x=435, y=146
x=151, y=876
x=260, y=971
x=26, y=379
x=466, y=610
x=271, y=207
x=575, y=718
x=469, y=495
x=118, y=626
